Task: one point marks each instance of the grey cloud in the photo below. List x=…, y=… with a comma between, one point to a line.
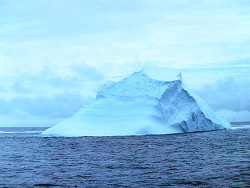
x=87, y=72
x=230, y=93
x=47, y=95
x=40, y=110
x=47, y=79
x=57, y=106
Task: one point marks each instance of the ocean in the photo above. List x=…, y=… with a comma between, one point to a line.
x=203, y=159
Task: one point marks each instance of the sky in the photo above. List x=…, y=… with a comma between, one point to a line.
x=55, y=54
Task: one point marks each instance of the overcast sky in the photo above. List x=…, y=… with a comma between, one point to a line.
x=54, y=54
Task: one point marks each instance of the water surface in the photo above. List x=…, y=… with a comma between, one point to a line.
x=205, y=159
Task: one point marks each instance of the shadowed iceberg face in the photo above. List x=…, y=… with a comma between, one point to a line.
x=182, y=108
x=141, y=105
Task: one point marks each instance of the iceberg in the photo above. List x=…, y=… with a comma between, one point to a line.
x=139, y=105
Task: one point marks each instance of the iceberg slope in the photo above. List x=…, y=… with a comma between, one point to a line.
x=141, y=105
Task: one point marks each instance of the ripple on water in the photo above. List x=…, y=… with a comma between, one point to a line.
x=207, y=159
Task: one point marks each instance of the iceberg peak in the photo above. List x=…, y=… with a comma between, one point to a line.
x=137, y=84
x=180, y=76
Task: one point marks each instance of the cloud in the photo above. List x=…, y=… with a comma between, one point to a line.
x=88, y=73
x=49, y=80
x=235, y=116
x=43, y=43
x=120, y=32
x=228, y=95
x=42, y=110
x=56, y=106
x=48, y=96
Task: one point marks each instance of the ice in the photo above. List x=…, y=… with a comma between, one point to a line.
x=139, y=105
x=242, y=127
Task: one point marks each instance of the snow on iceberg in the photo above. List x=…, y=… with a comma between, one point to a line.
x=140, y=105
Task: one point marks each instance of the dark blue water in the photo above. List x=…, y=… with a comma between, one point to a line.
x=207, y=159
